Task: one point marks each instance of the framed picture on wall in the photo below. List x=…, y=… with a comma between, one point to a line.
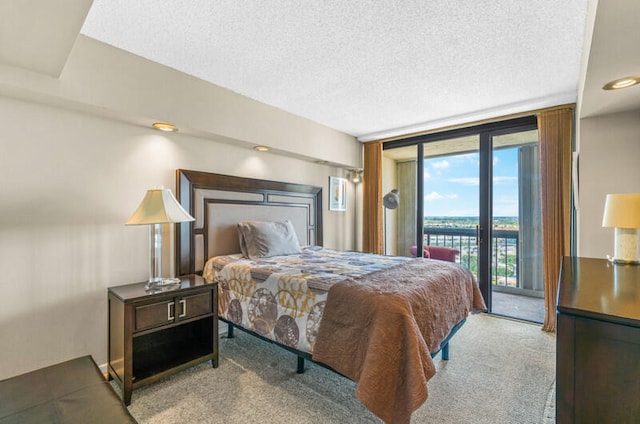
x=337, y=194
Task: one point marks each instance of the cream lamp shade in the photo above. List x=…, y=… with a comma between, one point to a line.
x=622, y=211
x=158, y=207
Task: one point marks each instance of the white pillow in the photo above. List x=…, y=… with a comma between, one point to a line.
x=265, y=239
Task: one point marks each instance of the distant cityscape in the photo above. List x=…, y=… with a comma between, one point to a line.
x=459, y=232
x=499, y=222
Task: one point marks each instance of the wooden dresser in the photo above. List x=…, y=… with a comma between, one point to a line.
x=598, y=342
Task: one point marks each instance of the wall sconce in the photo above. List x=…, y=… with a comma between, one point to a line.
x=356, y=176
x=622, y=211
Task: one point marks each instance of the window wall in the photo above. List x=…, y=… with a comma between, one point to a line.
x=477, y=191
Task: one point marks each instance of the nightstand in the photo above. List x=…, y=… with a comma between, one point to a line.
x=154, y=334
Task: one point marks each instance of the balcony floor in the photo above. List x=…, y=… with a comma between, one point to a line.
x=518, y=306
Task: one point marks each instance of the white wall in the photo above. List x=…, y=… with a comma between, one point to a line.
x=77, y=155
x=609, y=150
x=69, y=182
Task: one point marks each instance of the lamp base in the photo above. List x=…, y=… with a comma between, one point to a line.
x=626, y=246
x=163, y=284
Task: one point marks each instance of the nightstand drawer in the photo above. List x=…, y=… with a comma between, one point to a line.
x=195, y=305
x=154, y=315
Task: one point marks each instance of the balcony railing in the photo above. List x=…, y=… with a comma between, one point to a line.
x=505, y=251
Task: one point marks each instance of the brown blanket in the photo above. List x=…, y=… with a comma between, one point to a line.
x=379, y=331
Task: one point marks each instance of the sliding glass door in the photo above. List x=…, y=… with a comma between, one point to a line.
x=516, y=244
x=451, y=200
x=474, y=198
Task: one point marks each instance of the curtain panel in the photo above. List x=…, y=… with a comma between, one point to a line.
x=372, y=199
x=555, y=131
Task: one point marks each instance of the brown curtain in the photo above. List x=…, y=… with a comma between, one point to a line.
x=554, y=133
x=372, y=199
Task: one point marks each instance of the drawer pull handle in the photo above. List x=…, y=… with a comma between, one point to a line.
x=184, y=309
x=169, y=316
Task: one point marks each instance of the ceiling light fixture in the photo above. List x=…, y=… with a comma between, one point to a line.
x=261, y=148
x=622, y=83
x=164, y=126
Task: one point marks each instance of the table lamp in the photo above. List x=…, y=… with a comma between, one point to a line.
x=622, y=211
x=158, y=207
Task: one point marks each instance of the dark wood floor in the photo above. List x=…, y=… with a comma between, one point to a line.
x=518, y=306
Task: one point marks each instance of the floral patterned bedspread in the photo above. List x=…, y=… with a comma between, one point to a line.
x=282, y=298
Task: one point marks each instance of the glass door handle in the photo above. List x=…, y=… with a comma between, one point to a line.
x=477, y=235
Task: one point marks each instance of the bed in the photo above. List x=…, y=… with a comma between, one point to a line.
x=375, y=319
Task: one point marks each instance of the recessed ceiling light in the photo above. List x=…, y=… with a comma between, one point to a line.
x=261, y=148
x=622, y=83
x=164, y=126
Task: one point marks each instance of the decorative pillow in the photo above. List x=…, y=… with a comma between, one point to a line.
x=264, y=239
x=414, y=252
x=436, y=252
x=442, y=253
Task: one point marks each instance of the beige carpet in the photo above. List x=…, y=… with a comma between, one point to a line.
x=500, y=371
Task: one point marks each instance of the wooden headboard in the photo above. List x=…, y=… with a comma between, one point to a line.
x=219, y=202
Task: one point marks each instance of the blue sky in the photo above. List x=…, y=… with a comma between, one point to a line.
x=451, y=184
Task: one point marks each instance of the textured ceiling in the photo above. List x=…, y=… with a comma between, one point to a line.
x=368, y=68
